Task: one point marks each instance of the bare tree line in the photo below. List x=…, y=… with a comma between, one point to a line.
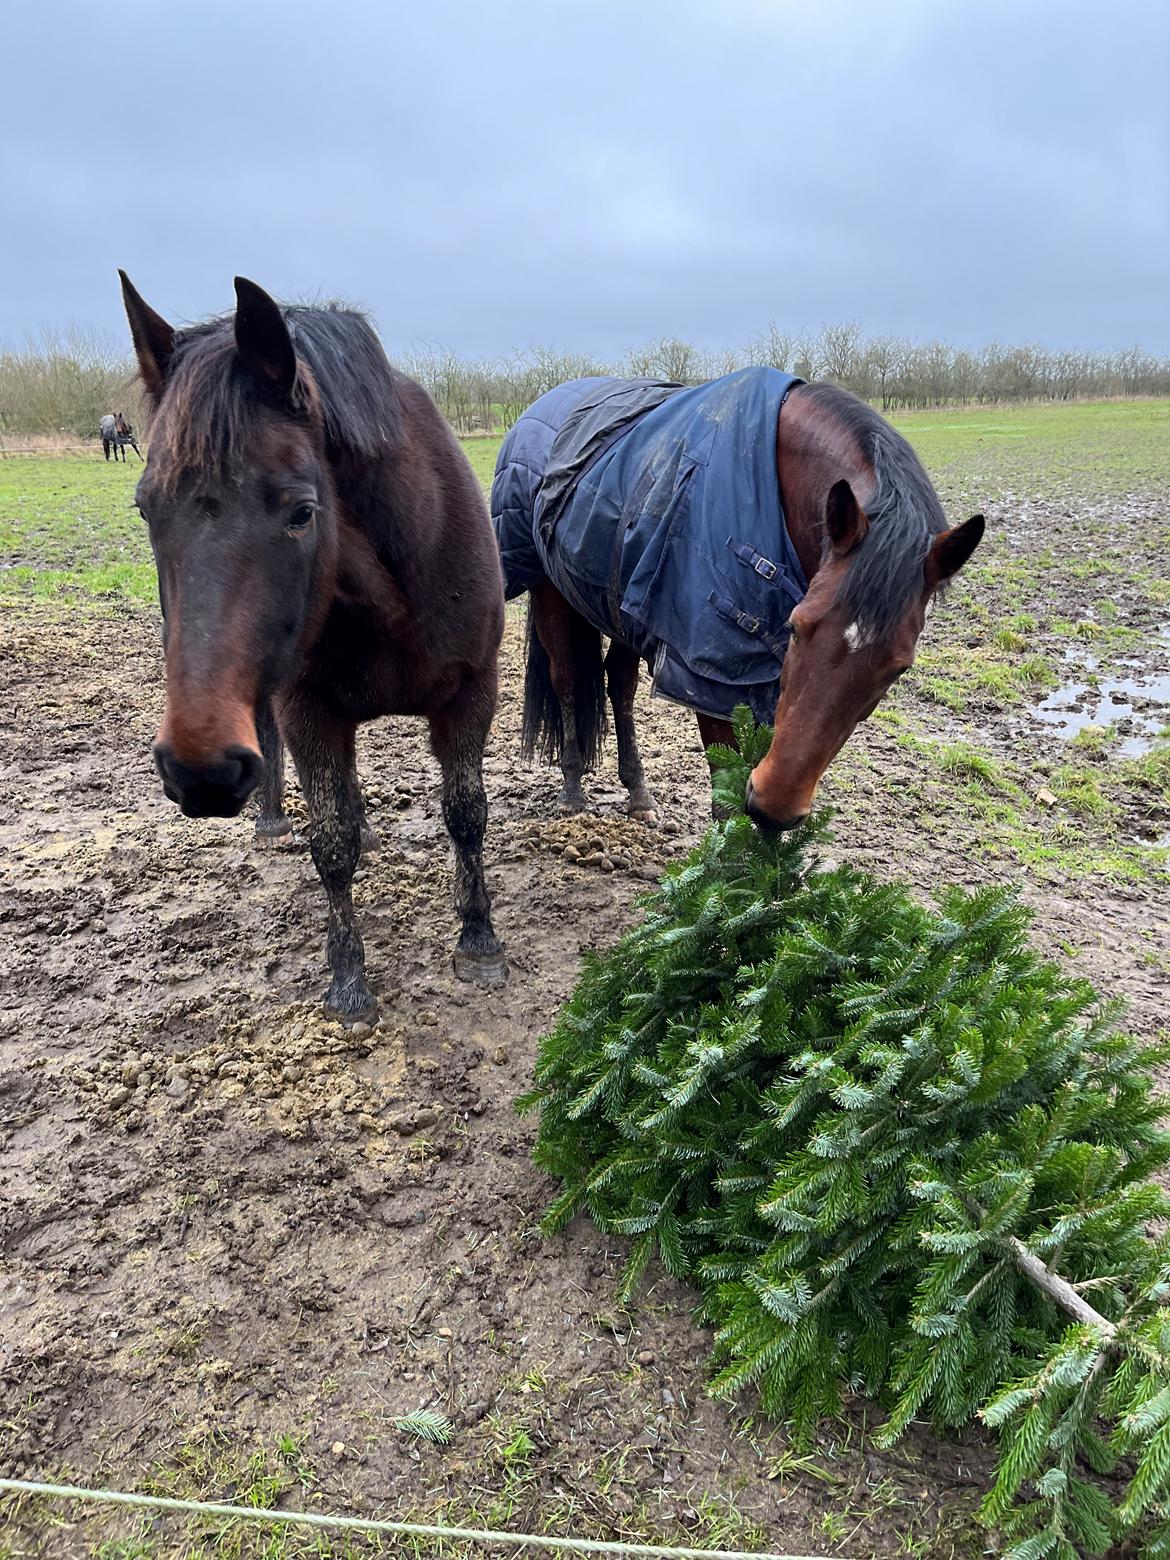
x=60, y=383
x=891, y=371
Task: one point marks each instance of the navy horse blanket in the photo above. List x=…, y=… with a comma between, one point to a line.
x=655, y=511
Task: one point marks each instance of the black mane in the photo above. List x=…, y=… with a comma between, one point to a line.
x=904, y=516
x=211, y=401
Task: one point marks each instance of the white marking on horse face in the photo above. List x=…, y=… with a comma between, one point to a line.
x=856, y=637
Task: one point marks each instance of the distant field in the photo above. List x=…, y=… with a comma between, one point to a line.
x=68, y=526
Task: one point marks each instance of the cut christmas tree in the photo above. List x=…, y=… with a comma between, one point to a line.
x=897, y=1153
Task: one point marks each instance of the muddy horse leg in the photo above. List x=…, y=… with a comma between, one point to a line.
x=323, y=752
x=368, y=835
x=273, y=826
x=458, y=733
x=621, y=675
x=552, y=624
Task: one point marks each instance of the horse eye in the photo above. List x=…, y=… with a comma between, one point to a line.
x=301, y=517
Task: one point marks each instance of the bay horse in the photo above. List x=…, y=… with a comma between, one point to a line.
x=324, y=557
x=613, y=502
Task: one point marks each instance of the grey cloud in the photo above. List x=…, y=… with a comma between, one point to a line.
x=597, y=174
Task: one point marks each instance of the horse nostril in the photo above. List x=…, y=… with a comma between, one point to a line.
x=248, y=769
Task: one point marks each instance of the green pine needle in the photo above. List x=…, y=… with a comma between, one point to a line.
x=426, y=1425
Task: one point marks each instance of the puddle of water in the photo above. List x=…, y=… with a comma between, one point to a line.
x=1142, y=701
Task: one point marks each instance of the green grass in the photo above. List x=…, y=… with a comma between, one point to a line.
x=69, y=529
x=1100, y=447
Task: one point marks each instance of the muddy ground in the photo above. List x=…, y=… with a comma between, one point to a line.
x=237, y=1242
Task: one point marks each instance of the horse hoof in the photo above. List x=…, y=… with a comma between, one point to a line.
x=571, y=805
x=646, y=815
x=286, y=839
x=347, y=1017
x=370, y=841
x=485, y=969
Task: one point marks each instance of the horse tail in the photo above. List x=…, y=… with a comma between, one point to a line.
x=542, y=728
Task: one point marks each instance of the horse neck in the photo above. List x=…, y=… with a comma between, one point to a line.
x=812, y=452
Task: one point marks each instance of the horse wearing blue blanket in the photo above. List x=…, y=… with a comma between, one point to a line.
x=755, y=540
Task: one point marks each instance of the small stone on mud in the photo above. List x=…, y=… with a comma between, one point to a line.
x=598, y=845
x=356, y=1031
x=647, y=874
x=119, y=1097
x=645, y=1356
x=178, y=1088
x=1045, y=797
x=428, y=1016
x=571, y=853
x=291, y=1073
x=97, y=924
x=500, y=1055
x=670, y=827
x=133, y=1121
x=130, y=1074
x=605, y=864
x=338, y=1448
x=622, y=863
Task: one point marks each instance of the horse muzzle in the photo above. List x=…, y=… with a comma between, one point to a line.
x=765, y=823
x=216, y=789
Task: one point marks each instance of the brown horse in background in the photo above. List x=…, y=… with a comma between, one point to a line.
x=875, y=548
x=322, y=544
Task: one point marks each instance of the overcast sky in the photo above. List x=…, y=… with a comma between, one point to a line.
x=594, y=175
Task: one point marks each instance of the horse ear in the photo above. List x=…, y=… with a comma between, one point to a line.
x=154, y=339
x=845, y=519
x=950, y=550
x=262, y=339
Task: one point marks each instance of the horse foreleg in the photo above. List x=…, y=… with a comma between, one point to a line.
x=458, y=734
x=715, y=732
x=323, y=752
x=369, y=837
x=621, y=675
x=274, y=827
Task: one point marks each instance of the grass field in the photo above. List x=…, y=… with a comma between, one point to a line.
x=68, y=525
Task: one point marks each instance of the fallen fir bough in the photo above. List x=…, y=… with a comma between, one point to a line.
x=898, y=1154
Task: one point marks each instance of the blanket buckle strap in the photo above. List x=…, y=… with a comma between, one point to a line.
x=745, y=553
x=727, y=609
